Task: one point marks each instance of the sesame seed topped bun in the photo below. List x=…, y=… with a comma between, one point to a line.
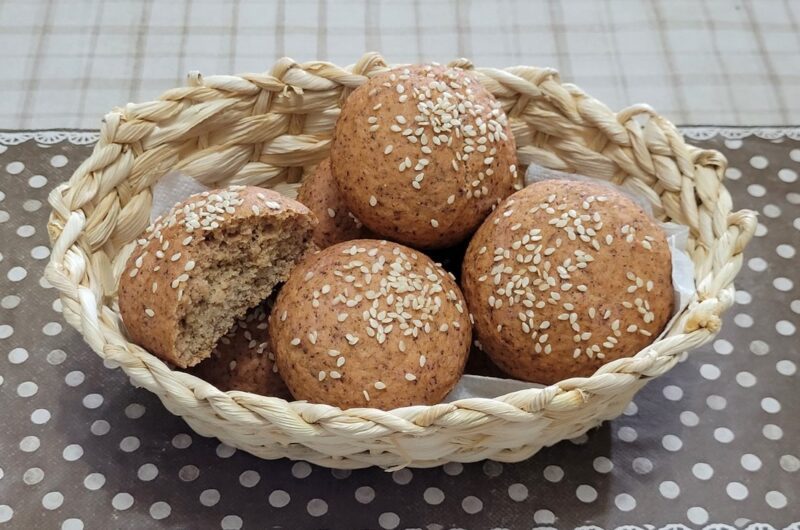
x=422, y=154
x=565, y=276
x=242, y=359
x=201, y=266
x=321, y=194
x=370, y=323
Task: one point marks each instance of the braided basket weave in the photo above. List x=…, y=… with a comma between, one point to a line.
x=268, y=130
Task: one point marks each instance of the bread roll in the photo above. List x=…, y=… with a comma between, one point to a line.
x=565, y=276
x=370, y=323
x=204, y=264
x=422, y=154
x=321, y=194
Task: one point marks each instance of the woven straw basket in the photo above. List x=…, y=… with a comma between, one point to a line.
x=269, y=130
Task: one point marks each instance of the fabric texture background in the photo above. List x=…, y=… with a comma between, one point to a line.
x=66, y=63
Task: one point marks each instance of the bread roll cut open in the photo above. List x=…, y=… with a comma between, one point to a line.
x=200, y=267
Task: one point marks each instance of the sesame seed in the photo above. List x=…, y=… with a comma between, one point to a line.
x=295, y=341
x=149, y=312
x=335, y=375
x=321, y=375
x=373, y=201
x=410, y=377
x=331, y=213
x=366, y=394
x=189, y=265
x=434, y=223
x=379, y=385
x=388, y=149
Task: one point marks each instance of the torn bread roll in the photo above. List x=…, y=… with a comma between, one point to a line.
x=204, y=264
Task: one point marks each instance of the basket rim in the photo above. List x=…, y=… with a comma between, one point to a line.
x=91, y=317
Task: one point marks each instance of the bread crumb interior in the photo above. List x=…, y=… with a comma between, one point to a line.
x=238, y=267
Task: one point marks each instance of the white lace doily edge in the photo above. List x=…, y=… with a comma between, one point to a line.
x=88, y=137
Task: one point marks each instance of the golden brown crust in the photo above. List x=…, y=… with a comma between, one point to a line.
x=160, y=273
x=422, y=154
x=370, y=323
x=321, y=194
x=574, y=273
x=243, y=360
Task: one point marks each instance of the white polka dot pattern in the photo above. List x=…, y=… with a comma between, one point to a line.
x=713, y=440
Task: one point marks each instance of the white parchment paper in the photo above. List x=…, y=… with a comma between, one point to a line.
x=172, y=188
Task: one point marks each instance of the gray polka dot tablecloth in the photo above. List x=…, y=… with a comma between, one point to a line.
x=717, y=440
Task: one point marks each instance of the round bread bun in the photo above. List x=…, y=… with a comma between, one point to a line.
x=321, y=194
x=242, y=359
x=370, y=323
x=422, y=154
x=565, y=276
x=204, y=264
